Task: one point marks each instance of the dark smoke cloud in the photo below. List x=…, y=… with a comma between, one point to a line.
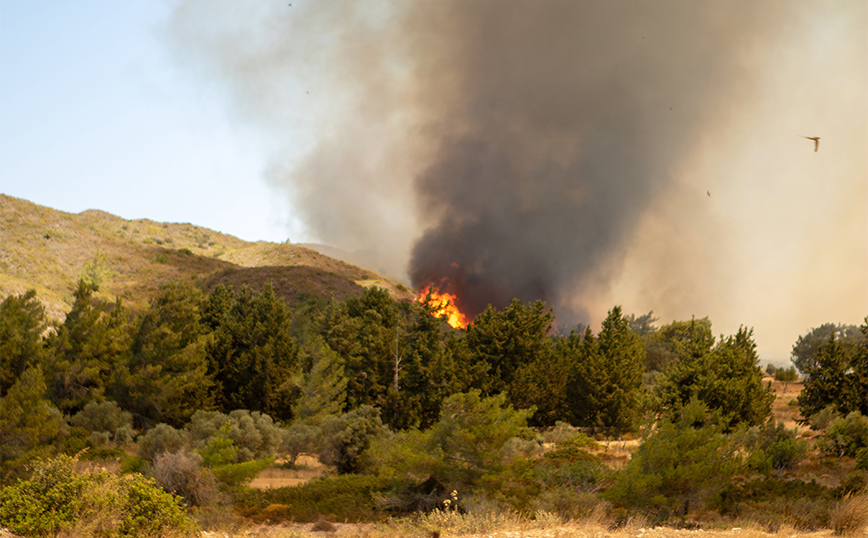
x=513, y=147
x=555, y=124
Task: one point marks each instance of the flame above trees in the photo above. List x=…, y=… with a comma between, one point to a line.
x=443, y=305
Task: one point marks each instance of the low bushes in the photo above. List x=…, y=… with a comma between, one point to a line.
x=58, y=499
x=344, y=497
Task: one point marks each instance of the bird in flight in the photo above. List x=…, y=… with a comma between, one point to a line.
x=816, y=140
x=708, y=193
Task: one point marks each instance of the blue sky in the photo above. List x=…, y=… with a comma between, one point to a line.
x=96, y=114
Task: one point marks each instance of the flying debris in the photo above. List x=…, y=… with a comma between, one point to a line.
x=708, y=193
x=816, y=140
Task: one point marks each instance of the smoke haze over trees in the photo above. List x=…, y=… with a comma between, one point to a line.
x=562, y=151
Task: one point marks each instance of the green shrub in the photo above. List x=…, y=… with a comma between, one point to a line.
x=772, y=502
x=162, y=438
x=862, y=459
x=57, y=499
x=568, y=503
x=98, y=439
x=236, y=474
x=820, y=420
x=774, y=447
x=562, y=432
x=124, y=435
x=683, y=465
x=845, y=436
x=253, y=434
x=301, y=438
x=133, y=464
x=346, y=438
x=105, y=417
x=148, y=510
x=856, y=481
x=103, y=453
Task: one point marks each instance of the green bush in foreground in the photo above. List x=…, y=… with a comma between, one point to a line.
x=684, y=465
x=58, y=499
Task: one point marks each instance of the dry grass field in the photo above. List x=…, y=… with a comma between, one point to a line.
x=507, y=528
x=49, y=251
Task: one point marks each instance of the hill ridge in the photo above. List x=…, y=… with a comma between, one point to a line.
x=49, y=250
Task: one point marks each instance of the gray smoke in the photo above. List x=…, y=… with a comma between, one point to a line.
x=510, y=147
x=555, y=124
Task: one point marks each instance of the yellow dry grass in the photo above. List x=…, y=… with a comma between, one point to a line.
x=49, y=251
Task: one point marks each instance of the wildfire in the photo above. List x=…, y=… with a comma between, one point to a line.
x=444, y=305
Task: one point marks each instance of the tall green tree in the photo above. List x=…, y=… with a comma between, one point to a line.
x=606, y=381
x=321, y=382
x=86, y=349
x=29, y=425
x=22, y=325
x=726, y=378
x=837, y=374
x=164, y=378
x=427, y=369
x=665, y=346
x=807, y=345
x=361, y=330
x=507, y=340
x=252, y=355
x=543, y=384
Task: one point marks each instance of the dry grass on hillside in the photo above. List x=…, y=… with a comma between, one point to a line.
x=49, y=251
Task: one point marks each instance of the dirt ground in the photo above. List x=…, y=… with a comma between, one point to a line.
x=574, y=530
x=276, y=476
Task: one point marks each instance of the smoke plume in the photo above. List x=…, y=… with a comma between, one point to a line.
x=555, y=126
x=538, y=150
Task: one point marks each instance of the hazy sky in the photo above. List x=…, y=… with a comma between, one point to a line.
x=361, y=124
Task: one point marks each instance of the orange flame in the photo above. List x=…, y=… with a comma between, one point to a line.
x=444, y=305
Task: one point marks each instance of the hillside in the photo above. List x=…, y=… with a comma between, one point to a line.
x=49, y=250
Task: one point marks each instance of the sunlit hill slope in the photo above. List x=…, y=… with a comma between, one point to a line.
x=49, y=251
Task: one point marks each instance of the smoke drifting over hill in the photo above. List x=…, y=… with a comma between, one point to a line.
x=557, y=150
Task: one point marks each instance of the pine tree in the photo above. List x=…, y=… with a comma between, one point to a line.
x=86, y=349
x=837, y=375
x=252, y=355
x=606, y=380
x=727, y=379
x=323, y=386
x=22, y=324
x=506, y=341
x=361, y=330
x=164, y=378
x=29, y=424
